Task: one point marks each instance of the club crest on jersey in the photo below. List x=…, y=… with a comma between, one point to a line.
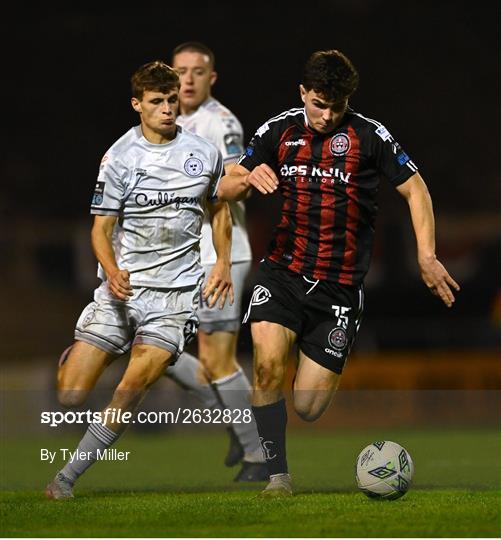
x=337, y=338
x=193, y=166
x=340, y=144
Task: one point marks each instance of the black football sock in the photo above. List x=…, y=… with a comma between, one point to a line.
x=271, y=422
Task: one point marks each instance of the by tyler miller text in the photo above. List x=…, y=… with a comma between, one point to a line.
x=108, y=454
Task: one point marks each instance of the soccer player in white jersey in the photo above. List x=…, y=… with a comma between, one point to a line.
x=229, y=387
x=153, y=188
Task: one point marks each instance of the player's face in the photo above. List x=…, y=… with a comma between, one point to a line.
x=323, y=116
x=196, y=76
x=158, y=113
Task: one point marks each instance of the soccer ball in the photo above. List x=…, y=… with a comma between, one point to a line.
x=384, y=470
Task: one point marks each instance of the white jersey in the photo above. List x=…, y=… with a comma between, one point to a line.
x=159, y=193
x=215, y=122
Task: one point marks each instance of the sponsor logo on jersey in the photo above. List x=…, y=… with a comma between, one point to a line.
x=340, y=144
x=299, y=142
x=315, y=174
x=165, y=199
x=193, y=166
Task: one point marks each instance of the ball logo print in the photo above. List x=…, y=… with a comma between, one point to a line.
x=340, y=144
x=384, y=470
x=193, y=166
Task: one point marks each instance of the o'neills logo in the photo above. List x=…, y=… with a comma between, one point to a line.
x=299, y=142
x=165, y=199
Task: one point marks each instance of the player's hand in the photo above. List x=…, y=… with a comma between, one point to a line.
x=438, y=280
x=263, y=178
x=119, y=284
x=219, y=286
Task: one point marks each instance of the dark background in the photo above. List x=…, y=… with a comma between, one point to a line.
x=429, y=71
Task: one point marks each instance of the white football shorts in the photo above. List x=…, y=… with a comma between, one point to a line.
x=165, y=318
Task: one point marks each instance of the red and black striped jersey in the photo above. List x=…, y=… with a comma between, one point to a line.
x=329, y=185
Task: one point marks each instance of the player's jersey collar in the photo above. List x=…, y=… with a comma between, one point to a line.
x=343, y=121
x=154, y=146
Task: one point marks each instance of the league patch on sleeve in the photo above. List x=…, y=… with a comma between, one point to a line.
x=233, y=143
x=97, y=198
x=383, y=133
x=403, y=158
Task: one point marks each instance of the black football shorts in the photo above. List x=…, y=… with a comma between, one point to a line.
x=325, y=316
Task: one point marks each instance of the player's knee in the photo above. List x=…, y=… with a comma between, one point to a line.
x=269, y=375
x=71, y=398
x=132, y=385
x=308, y=414
x=216, y=368
x=309, y=409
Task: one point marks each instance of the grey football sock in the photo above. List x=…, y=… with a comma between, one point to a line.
x=234, y=391
x=185, y=372
x=97, y=437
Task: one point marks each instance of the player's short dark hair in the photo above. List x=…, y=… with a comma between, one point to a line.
x=331, y=74
x=154, y=76
x=195, y=46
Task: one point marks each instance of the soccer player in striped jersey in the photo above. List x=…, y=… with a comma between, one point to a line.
x=217, y=379
x=152, y=191
x=326, y=160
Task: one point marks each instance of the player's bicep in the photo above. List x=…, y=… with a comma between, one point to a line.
x=414, y=184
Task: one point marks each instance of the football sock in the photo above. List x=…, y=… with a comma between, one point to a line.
x=234, y=391
x=271, y=423
x=97, y=437
x=185, y=372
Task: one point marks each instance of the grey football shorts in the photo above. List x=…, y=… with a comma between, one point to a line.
x=226, y=319
x=165, y=318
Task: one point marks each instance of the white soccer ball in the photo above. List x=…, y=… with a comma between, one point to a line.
x=384, y=470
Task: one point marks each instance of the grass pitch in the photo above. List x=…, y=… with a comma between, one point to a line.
x=174, y=485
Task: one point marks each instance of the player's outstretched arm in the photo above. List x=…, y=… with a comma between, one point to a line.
x=118, y=279
x=433, y=273
x=219, y=285
x=236, y=185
